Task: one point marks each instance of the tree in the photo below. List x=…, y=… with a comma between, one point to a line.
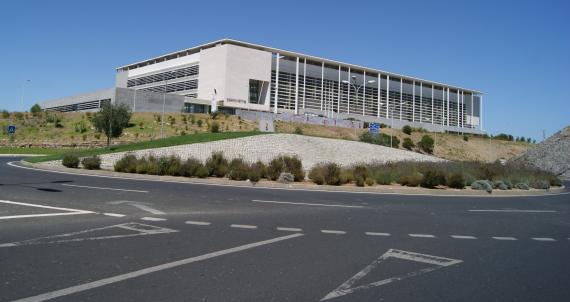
x=36, y=109
x=407, y=129
x=111, y=120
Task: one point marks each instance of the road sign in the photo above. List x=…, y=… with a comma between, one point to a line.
x=11, y=129
x=373, y=128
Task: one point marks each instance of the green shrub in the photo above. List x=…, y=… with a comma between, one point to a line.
x=142, y=165
x=70, y=160
x=261, y=167
x=346, y=176
x=332, y=174
x=217, y=165
x=426, y=144
x=255, y=172
x=522, y=186
x=317, y=174
x=199, y=123
x=275, y=167
x=381, y=139
x=360, y=171
x=432, y=178
x=456, y=181
x=554, y=181
x=91, y=163
x=80, y=127
x=539, y=184
x=369, y=182
x=412, y=180
x=407, y=129
x=298, y=130
x=499, y=184
x=189, y=166
x=289, y=164
x=465, y=137
x=36, y=110
x=482, y=185
x=238, y=169
x=215, y=127
x=172, y=166
x=359, y=181
x=408, y=143
x=384, y=177
x=202, y=171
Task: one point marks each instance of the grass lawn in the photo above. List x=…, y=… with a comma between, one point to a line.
x=35, y=150
x=166, y=142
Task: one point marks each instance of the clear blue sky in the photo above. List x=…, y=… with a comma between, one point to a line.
x=517, y=52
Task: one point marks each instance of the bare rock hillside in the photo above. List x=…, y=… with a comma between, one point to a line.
x=552, y=155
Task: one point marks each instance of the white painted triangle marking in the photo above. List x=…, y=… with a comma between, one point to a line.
x=138, y=229
x=347, y=287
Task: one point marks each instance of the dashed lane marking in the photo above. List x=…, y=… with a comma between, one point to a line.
x=198, y=222
x=105, y=188
x=307, y=204
x=243, y=226
x=333, y=232
x=421, y=235
x=376, y=234
x=543, y=239
x=289, y=229
x=463, y=237
x=153, y=219
x=114, y=214
x=505, y=238
x=515, y=211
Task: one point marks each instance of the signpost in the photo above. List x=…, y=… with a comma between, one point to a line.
x=373, y=128
x=11, y=129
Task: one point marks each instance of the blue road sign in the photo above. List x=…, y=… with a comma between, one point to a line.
x=373, y=128
x=11, y=129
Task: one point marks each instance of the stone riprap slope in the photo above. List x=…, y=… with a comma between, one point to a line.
x=551, y=155
x=311, y=150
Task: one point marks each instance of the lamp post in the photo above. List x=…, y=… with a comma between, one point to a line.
x=357, y=88
x=22, y=94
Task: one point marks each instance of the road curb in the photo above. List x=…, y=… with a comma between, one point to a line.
x=379, y=189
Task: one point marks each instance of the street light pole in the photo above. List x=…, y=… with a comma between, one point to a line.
x=357, y=87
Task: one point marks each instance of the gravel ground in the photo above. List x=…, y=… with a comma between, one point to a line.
x=311, y=150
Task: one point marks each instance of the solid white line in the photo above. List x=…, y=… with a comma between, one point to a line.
x=198, y=222
x=307, y=204
x=463, y=237
x=516, y=211
x=153, y=219
x=505, y=238
x=42, y=206
x=377, y=234
x=42, y=215
x=105, y=188
x=243, y=226
x=149, y=270
x=285, y=189
x=543, y=239
x=333, y=232
x=289, y=229
x=114, y=215
x=421, y=235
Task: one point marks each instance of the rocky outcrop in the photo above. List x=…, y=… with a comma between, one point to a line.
x=551, y=155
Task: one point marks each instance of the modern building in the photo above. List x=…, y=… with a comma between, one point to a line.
x=232, y=76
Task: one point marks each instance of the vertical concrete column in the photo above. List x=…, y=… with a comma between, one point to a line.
x=388, y=96
x=276, y=96
x=322, y=83
x=348, y=93
x=379, y=94
x=297, y=87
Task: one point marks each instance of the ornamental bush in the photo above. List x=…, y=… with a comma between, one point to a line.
x=189, y=166
x=482, y=185
x=407, y=129
x=126, y=164
x=91, y=163
x=432, y=178
x=238, y=169
x=456, y=181
x=217, y=165
x=426, y=144
x=70, y=160
x=412, y=180
x=408, y=143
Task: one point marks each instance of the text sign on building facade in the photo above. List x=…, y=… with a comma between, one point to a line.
x=373, y=128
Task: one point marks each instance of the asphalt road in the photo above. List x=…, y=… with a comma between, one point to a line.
x=80, y=238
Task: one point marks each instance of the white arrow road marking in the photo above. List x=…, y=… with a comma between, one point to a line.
x=150, y=270
x=67, y=210
x=139, y=205
x=105, y=188
x=347, y=287
x=139, y=229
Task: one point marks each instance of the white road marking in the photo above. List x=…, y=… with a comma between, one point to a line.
x=463, y=237
x=114, y=214
x=153, y=219
x=198, y=222
x=505, y=238
x=105, y=188
x=307, y=204
x=68, y=211
x=289, y=229
x=543, y=239
x=139, y=229
x=377, y=234
x=139, y=205
x=515, y=211
x=197, y=182
x=421, y=235
x=348, y=286
x=149, y=270
x=243, y=226
x=333, y=232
